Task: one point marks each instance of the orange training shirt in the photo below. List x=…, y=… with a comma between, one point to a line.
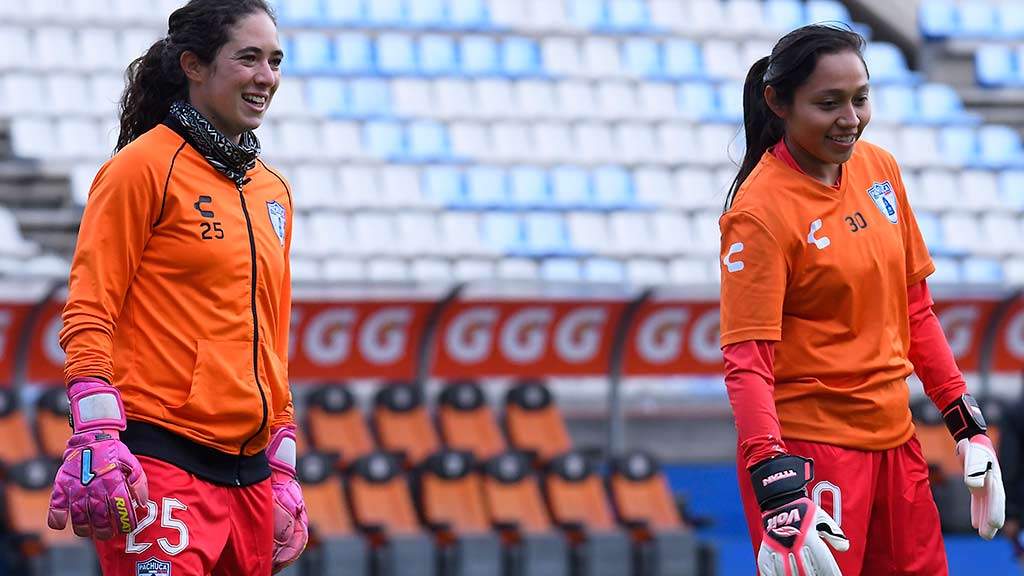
x=825, y=273
x=180, y=294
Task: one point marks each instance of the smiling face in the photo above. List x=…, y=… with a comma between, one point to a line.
x=234, y=91
x=827, y=115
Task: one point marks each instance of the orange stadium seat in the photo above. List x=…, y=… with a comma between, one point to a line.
x=453, y=507
x=580, y=506
x=644, y=503
x=382, y=507
x=534, y=423
x=46, y=551
x=18, y=444
x=52, y=426
x=517, y=509
x=467, y=422
x=335, y=424
x=402, y=423
x=333, y=540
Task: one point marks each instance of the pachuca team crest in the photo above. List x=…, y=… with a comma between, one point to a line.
x=885, y=198
x=153, y=567
x=277, y=219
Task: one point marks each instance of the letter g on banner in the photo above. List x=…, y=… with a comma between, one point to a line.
x=660, y=337
x=328, y=338
x=524, y=336
x=578, y=335
x=384, y=335
x=469, y=335
x=960, y=323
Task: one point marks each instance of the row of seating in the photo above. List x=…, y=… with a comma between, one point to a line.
x=999, y=66
x=973, y=19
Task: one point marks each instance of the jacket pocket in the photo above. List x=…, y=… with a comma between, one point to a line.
x=223, y=402
x=274, y=376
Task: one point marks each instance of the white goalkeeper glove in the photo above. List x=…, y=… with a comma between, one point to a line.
x=981, y=467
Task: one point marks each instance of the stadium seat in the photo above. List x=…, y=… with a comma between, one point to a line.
x=977, y=20
x=453, y=507
x=502, y=232
x=333, y=540
x=486, y=187
x=644, y=503
x=1000, y=146
x=979, y=270
x=603, y=271
x=947, y=271
x=641, y=58
x=467, y=422
x=384, y=139
x=52, y=429
x=994, y=65
x=886, y=63
x=46, y=551
x=369, y=98
x=478, y=55
x=545, y=234
x=382, y=508
x=427, y=141
x=396, y=54
x=402, y=423
x=1010, y=19
x=1011, y=189
x=384, y=13
x=533, y=422
x=580, y=506
x=353, y=51
x=826, y=11
x=469, y=14
x=336, y=425
x=516, y=508
x=520, y=56
x=682, y=59
x=587, y=14
x=958, y=145
x=426, y=13
x=783, y=15
x=938, y=19
x=437, y=53
x=18, y=444
x=561, y=270
x=940, y=103
x=528, y=188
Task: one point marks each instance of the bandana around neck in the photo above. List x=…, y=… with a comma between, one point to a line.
x=230, y=159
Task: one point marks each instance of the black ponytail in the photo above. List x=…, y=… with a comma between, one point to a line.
x=155, y=80
x=792, y=61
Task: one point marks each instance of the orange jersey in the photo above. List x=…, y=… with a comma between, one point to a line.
x=825, y=273
x=180, y=294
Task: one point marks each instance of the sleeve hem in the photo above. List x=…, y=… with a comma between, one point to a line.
x=743, y=334
x=925, y=271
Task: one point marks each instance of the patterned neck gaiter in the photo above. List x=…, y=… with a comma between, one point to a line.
x=231, y=160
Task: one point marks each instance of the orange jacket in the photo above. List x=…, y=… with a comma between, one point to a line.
x=180, y=294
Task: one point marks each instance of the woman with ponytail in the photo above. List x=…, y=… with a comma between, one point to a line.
x=825, y=313
x=182, y=454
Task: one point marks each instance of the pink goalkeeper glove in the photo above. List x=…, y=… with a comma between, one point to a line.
x=291, y=529
x=100, y=482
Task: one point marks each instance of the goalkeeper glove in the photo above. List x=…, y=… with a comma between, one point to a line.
x=291, y=529
x=981, y=467
x=100, y=481
x=795, y=528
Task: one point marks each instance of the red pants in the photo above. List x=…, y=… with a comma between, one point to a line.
x=881, y=500
x=194, y=528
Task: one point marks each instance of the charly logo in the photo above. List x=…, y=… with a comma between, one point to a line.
x=822, y=242
x=729, y=264
x=884, y=198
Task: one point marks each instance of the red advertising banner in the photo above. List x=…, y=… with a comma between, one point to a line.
x=1008, y=355
x=674, y=338
x=356, y=339
x=12, y=328
x=45, y=357
x=525, y=338
x=964, y=322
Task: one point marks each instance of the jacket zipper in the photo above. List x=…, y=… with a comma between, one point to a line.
x=255, y=335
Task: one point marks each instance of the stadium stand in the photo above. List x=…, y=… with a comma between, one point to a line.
x=467, y=422
x=333, y=539
x=534, y=424
x=335, y=425
x=403, y=424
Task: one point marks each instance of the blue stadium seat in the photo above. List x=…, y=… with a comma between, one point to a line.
x=327, y=96
x=383, y=139
x=938, y=19
x=886, y=63
x=468, y=14
x=784, y=15
x=437, y=55
x=947, y=271
x=479, y=55
x=628, y=15
x=1011, y=189
x=682, y=59
x=529, y=187
x=931, y=230
x=299, y=12
x=443, y=186
x=353, y=53
x=641, y=57
x=311, y=52
x=343, y=11
x=486, y=187
x=428, y=140
x=941, y=104
x=587, y=14
x=977, y=20
x=613, y=188
x=604, y=271
x=570, y=187
x=369, y=97
x=546, y=234
x=977, y=270
x=560, y=270
x=896, y=102
x=385, y=12
x=520, y=56
x=730, y=101
x=994, y=65
x=1010, y=19
x=426, y=13
x=502, y=231
x=958, y=144
x=826, y=11
x=396, y=54
x=999, y=146
x=697, y=100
